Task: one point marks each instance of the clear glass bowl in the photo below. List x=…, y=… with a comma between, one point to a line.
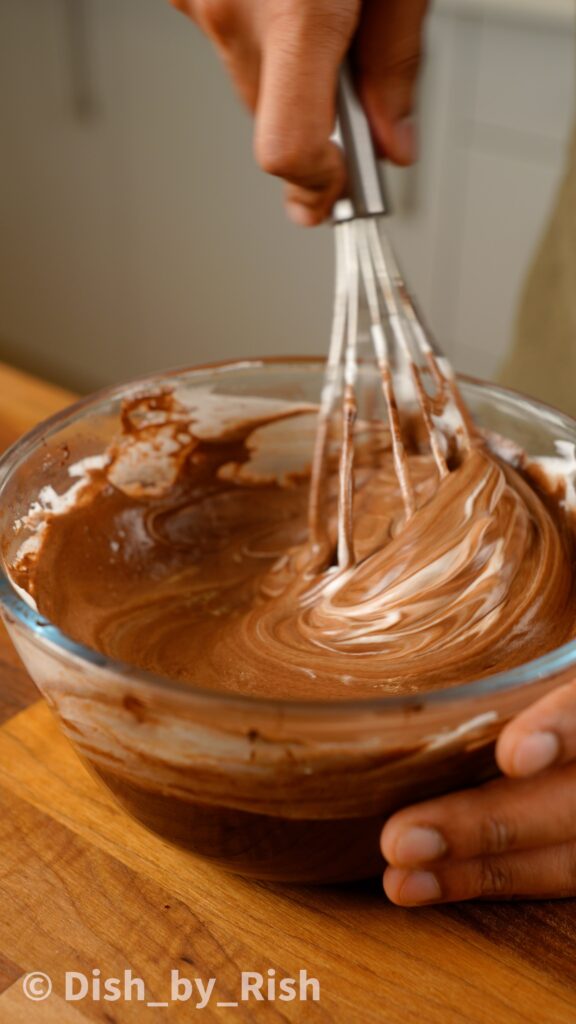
x=276, y=789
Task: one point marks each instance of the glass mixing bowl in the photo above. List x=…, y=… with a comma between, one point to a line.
x=276, y=789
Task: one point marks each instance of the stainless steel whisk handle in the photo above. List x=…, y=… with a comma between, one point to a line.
x=367, y=196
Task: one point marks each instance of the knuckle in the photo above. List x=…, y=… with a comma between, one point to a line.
x=496, y=835
x=218, y=17
x=567, y=887
x=184, y=6
x=407, y=67
x=284, y=157
x=402, y=71
x=570, y=869
x=322, y=19
x=494, y=877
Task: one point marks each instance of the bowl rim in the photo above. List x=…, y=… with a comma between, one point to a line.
x=46, y=633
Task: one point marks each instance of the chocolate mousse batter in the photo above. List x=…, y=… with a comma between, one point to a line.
x=184, y=551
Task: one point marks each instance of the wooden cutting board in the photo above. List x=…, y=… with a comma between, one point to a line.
x=84, y=889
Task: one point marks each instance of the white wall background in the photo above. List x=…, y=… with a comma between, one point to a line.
x=136, y=232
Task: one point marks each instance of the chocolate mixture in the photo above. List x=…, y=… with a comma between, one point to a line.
x=185, y=551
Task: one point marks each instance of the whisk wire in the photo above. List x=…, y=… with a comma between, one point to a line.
x=330, y=394
x=381, y=351
x=436, y=363
x=403, y=353
x=349, y=405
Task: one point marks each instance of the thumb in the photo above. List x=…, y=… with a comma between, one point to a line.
x=388, y=54
x=542, y=736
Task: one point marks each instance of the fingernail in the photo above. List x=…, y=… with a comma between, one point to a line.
x=419, y=887
x=418, y=845
x=535, y=752
x=405, y=140
x=301, y=215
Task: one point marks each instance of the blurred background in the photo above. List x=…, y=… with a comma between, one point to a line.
x=136, y=232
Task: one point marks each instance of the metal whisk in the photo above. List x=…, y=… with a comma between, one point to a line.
x=417, y=380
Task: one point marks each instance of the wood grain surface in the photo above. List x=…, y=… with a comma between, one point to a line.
x=85, y=889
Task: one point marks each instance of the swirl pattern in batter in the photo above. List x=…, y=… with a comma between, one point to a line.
x=185, y=552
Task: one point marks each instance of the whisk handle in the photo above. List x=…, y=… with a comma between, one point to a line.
x=367, y=198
